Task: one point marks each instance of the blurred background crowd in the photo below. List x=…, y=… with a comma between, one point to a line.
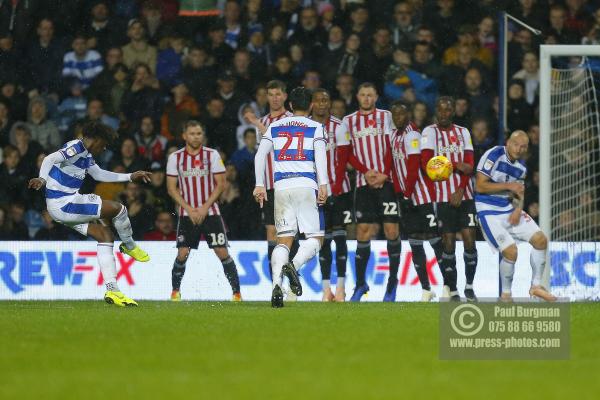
x=145, y=67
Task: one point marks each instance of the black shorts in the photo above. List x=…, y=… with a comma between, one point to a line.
x=376, y=205
x=338, y=211
x=455, y=219
x=419, y=219
x=212, y=228
x=268, y=209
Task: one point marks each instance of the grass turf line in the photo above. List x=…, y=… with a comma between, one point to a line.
x=206, y=350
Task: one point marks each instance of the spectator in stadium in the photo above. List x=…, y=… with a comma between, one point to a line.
x=73, y=107
x=20, y=137
x=482, y=139
x=115, y=91
x=338, y=108
x=311, y=80
x=35, y=199
x=480, y=99
x=404, y=29
x=42, y=130
x=519, y=112
x=486, y=34
x=244, y=124
x=143, y=96
x=276, y=44
x=44, y=60
x=420, y=115
x=531, y=12
x=534, y=147
x=220, y=131
x=244, y=75
x=17, y=101
x=260, y=104
x=253, y=16
x=12, y=176
x=308, y=34
x=10, y=58
x=578, y=15
x=376, y=58
x=169, y=61
x=18, y=17
x=141, y=214
x=424, y=62
x=521, y=43
x=444, y=20
x=299, y=64
x=5, y=228
x=231, y=96
x=453, y=75
x=151, y=15
x=283, y=70
x=467, y=38
x=178, y=110
x=231, y=204
x=138, y=51
x=151, y=145
x=332, y=51
x=530, y=74
x=94, y=112
x=243, y=159
x=557, y=27
x=462, y=110
x=102, y=30
x=164, y=228
x=158, y=196
x=257, y=49
x=5, y=123
x=345, y=91
x=16, y=222
x=104, y=80
x=129, y=156
x=592, y=35
x=218, y=49
x=82, y=63
x=359, y=23
x=199, y=76
x=52, y=230
x=235, y=36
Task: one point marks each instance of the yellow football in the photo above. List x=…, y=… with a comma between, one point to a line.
x=439, y=168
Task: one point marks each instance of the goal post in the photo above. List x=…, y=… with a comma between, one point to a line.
x=568, y=103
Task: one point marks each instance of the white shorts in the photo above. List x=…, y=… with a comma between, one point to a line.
x=75, y=211
x=296, y=210
x=500, y=234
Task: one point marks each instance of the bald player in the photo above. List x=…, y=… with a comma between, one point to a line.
x=499, y=194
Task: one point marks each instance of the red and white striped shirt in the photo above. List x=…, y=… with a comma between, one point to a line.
x=196, y=176
x=337, y=135
x=269, y=171
x=405, y=144
x=370, y=135
x=451, y=143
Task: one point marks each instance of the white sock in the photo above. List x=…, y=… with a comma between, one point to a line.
x=308, y=249
x=538, y=264
x=108, y=267
x=280, y=257
x=326, y=284
x=340, y=282
x=123, y=226
x=507, y=271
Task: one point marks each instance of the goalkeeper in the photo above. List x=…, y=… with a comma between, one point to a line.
x=499, y=193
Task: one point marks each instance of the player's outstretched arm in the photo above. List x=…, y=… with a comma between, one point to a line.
x=102, y=175
x=49, y=161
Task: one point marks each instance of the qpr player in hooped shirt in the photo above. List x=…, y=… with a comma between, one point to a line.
x=300, y=172
x=499, y=194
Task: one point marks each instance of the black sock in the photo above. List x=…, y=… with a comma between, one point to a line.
x=449, y=266
x=438, y=249
x=394, y=248
x=294, y=248
x=177, y=274
x=270, y=246
x=470, y=257
x=341, y=252
x=420, y=262
x=325, y=259
x=231, y=274
x=363, y=252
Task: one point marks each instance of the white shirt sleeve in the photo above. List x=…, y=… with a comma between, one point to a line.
x=412, y=143
x=102, y=175
x=172, y=165
x=467, y=139
x=320, y=148
x=428, y=139
x=342, y=136
x=260, y=159
x=216, y=163
x=388, y=124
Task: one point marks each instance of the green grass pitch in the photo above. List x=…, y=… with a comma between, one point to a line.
x=201, y=350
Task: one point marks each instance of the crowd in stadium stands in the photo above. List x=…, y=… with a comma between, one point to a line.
x=143, y=69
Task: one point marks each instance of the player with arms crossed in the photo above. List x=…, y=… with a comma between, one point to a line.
x=454, y=196
x=499, y=201
x=416, y=197
x=300, y=166
x=375, y=201
x=195, y=180
x=63, y=172
x=338, y=209
x=276, y=97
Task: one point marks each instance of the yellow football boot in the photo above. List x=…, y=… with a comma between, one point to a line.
x=237, y=297
x=175, y=295
x=119, y=299
x=137, y=253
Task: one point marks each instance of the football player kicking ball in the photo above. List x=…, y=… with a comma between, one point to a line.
x=200, y=174
x=417, y=195
x=63, y=172
x=499, y=194
x=338, y=210
x=300, y=172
